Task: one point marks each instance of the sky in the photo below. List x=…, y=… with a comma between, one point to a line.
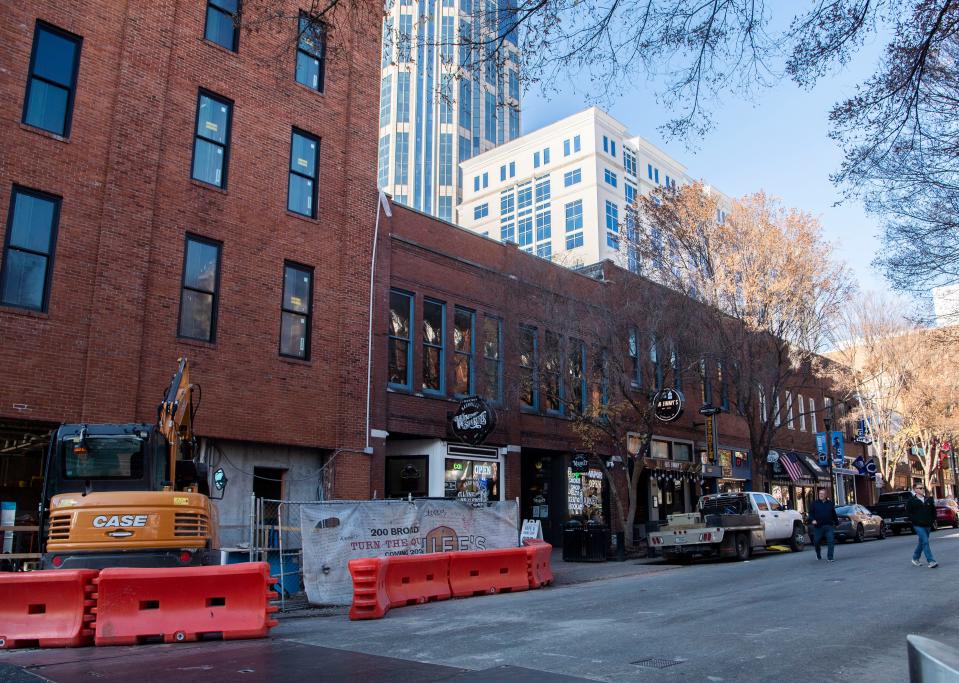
x=778, y=143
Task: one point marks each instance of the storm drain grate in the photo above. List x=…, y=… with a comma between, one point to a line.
x=657, y=662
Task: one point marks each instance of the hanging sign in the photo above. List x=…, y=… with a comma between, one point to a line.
x=668, y=404
x=580, y=463
x=473, y=421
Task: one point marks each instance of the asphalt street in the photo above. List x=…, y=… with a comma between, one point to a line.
x=782, y=617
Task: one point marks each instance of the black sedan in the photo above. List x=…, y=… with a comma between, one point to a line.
x=858, y=523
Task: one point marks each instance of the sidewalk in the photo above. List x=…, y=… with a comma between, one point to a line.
x=570, y=573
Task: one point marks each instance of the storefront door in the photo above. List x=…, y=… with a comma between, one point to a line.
x=544, y=492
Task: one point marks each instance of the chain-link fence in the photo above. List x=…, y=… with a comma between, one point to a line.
x=275, y=538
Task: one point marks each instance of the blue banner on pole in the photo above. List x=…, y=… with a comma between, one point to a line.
x=821, y=449
x=838, y=452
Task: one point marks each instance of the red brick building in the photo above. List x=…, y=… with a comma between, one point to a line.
x=176, y=186
x=463, y=314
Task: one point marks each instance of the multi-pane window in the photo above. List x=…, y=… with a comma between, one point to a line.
x=609, y=177
x=572, y=177
x=524, y=229
x=612, y=217
x=513, y=123
x=446, y=159
x=507, y=203
x=543, y=226
x=544, y=250
x=576, y=146
x=401, y=171
x=434, y=345
x=802, y=413
x=403, y=97
x=464, y=322
x=295, y=311
x=629, y=161
x=446, y=207
x=200, y=289
x=401, y=340
x=574, y=224
x=490, y=118
x=446, y=38
x=211, y=142
x=221, y=28
x=524, y=197
x=552, y=374
x=790, y=423
x=630, y=194
x=383, y=162
x=52, y=83
x=567, y=147
x=28, y=249
x=481, y=211
x=466, y=103
x=535, y=159
x=606, y=144
x=446, y=98
x=514, y=84
x=493, y=359
x=304, y=169
x=542, y=191
x=812, y=415
x=576, y=377
x=311, y=52
x=528, y=361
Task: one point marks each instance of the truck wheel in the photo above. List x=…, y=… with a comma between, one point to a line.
x=860, y=534
x=797, y=541
x=742, y=547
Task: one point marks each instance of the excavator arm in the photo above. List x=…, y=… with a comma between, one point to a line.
x=175, y=419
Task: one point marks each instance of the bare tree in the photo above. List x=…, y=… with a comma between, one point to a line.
x=767, y=284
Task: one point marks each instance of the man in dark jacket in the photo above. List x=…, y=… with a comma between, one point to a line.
x=823, y=519
x=922, y=513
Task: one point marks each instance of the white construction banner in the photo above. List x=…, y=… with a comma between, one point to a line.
x=335, y=533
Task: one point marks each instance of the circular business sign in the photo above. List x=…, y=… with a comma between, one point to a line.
x=668, y=404
x=580, y=463
x=473, y=421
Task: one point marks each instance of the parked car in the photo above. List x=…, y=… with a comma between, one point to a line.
x=858, y=523
x=892, y=508
x=947, y=513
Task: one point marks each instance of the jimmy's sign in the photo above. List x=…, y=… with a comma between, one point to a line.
x=473, y=421
x=668, y=404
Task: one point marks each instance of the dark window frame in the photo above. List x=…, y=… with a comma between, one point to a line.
x=532, y=369
x=441, y=346
x=497, y=399
x=411, y=313
x=203, y=92
x=54, y=231
x=312, y=21
x=214, y=316
x=470, y=355
x=309, y=270
x=215, y=6
x=71, y=91
x=315, y=178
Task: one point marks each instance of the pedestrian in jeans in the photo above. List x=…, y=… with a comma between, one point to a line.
x=922, y=513
x=822, y=517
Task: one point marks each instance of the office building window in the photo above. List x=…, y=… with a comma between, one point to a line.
x=485, y=180
x=295, y=311
x=446, y=207
x=524, y=227
x=52, y=83
x=304, y=170
x=311, y=52
x=542, y=191
x=405, y=38
x=507, y=203
x=513, y=123
x=612, y=149
x=575, y=143
x=446, y=98
x=667, y=181
x=524, y=197
x=476, y=184
x=572, y=177
x=535, y=159
x=446, y=159
x=514, y=85
x=543, y=226
x=464, y=322
x=481, y=211
x=606, y=144
x=387, y=42
x=383, y=162
x=200, y=287
x=403, y=97
x=567, y=147
x=545, y=156
x=221, y=23
x=612, y=217
x=446, y=38
x=401, y=340
x=402, y=157
x=656, y=175
x=507, y=232
x=609, y=177
x=630, y=192
x=649, y=170
x=574, y=224
x=490, y=122
x=629, y=161
x=28, y=249
x=493, y=359
x=434, y=346
x=386, y=95
x=512, y=169
x=528, y=364
x=211, y=143
x=544, y=250
x=465, y=104
x=502, y=172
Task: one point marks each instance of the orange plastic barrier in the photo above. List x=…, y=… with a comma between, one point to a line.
x=50, y=608
x=370, y=600
x=415, y=579
x=540, y=570
x=183, y=603
x=480, y=572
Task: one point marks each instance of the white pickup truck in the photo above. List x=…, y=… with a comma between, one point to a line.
x=729, y=525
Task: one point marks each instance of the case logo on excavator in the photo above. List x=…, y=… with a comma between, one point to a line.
x=107, y=521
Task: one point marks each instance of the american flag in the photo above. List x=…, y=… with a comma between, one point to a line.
x=791, y=466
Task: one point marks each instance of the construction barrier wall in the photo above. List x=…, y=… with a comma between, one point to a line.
x=50, y=608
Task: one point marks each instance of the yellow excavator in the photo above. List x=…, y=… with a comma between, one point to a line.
x=130, y=495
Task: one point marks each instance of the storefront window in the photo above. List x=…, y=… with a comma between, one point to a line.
x=407, y=476
x=682, y=452
x=659, y=449
x=585, y=494
x=471, y=479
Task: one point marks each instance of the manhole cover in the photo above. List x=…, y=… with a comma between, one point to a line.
x=657, y=662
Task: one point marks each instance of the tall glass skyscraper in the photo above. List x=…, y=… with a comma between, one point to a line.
x=449, y=91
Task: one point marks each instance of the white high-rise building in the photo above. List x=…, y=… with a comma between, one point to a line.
x=561, y=192
x=445, y=96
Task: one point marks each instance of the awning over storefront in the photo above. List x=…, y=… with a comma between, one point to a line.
x=818, y=473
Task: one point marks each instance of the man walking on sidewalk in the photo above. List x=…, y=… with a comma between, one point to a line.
x=822, y=517
x=922, y=513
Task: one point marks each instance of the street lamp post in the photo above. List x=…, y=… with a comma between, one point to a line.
x=827, y=423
